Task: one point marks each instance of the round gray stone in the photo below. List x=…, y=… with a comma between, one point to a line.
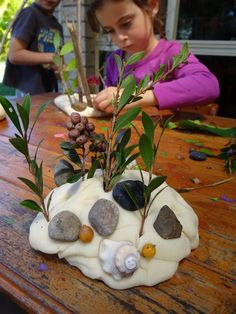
x=64, y=226
x=103, y=217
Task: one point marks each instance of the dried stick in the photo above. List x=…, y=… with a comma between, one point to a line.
x=78, y=57
x=4, y=37
x=183, y=190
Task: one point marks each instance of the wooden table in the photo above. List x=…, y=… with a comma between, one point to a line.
x=205, y=281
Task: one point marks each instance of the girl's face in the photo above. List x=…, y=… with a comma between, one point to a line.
x=129, y=26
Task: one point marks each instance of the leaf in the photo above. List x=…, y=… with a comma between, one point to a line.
x=196, y=125
x=24, y=116
x=74, y=83
x=118, y=62
x=49, y=201
x=56, y=40
x=20, y=144
x=72, y=155
x=66, y=145
x=71, y=65
x=157, y=76
x=148, y=126
x=128, y=150
x=143, y=83
x=171, y=125
x=124, y=120
x=32, y=205
x=65, y=75
x=135, y=57
x=57, y=60
x=40, y=110
x=155, y=183
x=146, y=151
x=75, y=177
x=95, y=165
x=39, y=177
x=67, y=48
x=127, y=80
x=131, y=195
x=31, y=185
x=127, y=93
x=27, y=104
x=124, y=137
x=11, y=112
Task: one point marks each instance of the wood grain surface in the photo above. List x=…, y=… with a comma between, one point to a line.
x=205, y=282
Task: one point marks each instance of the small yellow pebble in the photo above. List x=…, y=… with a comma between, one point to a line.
x=148, y=250
x=86, y=234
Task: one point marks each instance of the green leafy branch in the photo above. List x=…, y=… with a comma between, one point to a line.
x=21, y=121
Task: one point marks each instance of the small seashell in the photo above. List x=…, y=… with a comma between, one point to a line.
x=118, y=258
x=127, y=258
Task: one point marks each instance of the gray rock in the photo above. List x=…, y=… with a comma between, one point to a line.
x=103, y=217
x=62, y=172
x=167, y=225
x=64, y=226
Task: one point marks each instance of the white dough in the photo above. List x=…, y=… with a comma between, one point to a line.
x=63, y=103
x=2, y=113
x=79, y=197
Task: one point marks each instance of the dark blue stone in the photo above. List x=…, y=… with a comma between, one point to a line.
x=197, y=156
x=121, y=196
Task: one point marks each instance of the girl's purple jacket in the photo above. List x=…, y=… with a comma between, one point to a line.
x=191, y=84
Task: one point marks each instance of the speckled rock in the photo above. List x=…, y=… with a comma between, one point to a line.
x=199, y=156
x=122, y=197
x=167, y=224
x=62, y=172
x=64, y=226
x=103, y=217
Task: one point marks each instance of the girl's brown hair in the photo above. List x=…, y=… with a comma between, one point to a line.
x=158, y=24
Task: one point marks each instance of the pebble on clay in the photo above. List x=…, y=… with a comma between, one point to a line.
x=64, y=226
x=104, y=216
x=167, y=225
x=121, y=196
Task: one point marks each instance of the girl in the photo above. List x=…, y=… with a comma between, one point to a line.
x=131, y=25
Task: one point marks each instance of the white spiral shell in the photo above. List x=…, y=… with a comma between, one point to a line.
x=118, y=258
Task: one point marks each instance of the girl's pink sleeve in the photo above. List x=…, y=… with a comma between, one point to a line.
x=193, y=84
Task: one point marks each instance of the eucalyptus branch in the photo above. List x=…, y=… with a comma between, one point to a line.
x=21, y=143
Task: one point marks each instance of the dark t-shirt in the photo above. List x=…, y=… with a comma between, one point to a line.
x=37, y=29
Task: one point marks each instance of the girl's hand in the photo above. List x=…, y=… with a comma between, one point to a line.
x=103, y=99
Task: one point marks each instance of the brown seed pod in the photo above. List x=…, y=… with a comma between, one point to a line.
x=86, y=234
x=75, y=117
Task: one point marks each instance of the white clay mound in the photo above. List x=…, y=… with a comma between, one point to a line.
x=63, y=103
x=81, y=196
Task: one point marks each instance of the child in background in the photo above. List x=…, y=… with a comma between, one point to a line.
x=29, y=66
x=132, y=25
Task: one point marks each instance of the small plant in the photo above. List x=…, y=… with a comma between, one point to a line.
x=113, y=153
x=21, y=141
x=228, y=153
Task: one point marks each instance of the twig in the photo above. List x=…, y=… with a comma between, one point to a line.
x=183, y=190
x=4, y=37
x=78, y=57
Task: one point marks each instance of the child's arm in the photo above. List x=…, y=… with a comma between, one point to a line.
x=103, y=100
x=20, y=55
